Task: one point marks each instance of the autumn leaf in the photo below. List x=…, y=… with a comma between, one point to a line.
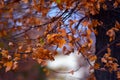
x=42, y=41
x=70, y=38
x=103, y=60
x=107, y=55
x=61, y=43
x=90, y=42
x=92, y=58
x=96, y=66
x=88, y=32
x=25, y=1
x=8, y=66
x=44, y=63
x=111, y=34
x=47, y=72
x=22, y=20
x=91, y=77
x=85, y=23
x=115, y=4
x=115, y=66
x=0, y=66
x=1, y=34
x=56, y=39
x=39, y=61
x=4, y=53
x=58, y=1
x=63, y=32
x=118, y=74
x=118, y=44
x=4, y=32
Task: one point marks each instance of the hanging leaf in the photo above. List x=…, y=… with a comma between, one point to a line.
x=92, y=58
x=111, y=34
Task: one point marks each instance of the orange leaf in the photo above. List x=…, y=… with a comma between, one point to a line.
x=92, y=58
x=103, y=60
x=96, y=66
x=118, y=74
x=61, y=43
x=85, y=23
x=8, y=65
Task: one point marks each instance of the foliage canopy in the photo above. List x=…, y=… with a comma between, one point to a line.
x=35, y=29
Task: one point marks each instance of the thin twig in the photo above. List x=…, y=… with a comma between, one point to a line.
x=39, y=25
x=65, y=72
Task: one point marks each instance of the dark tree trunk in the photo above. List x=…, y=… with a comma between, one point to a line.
x=102, y=41
x=108, y=17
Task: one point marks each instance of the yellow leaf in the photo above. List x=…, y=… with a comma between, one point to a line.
x=58, y=1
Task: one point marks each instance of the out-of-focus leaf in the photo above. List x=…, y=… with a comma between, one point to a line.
x=58, y=1
x=8, y=66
